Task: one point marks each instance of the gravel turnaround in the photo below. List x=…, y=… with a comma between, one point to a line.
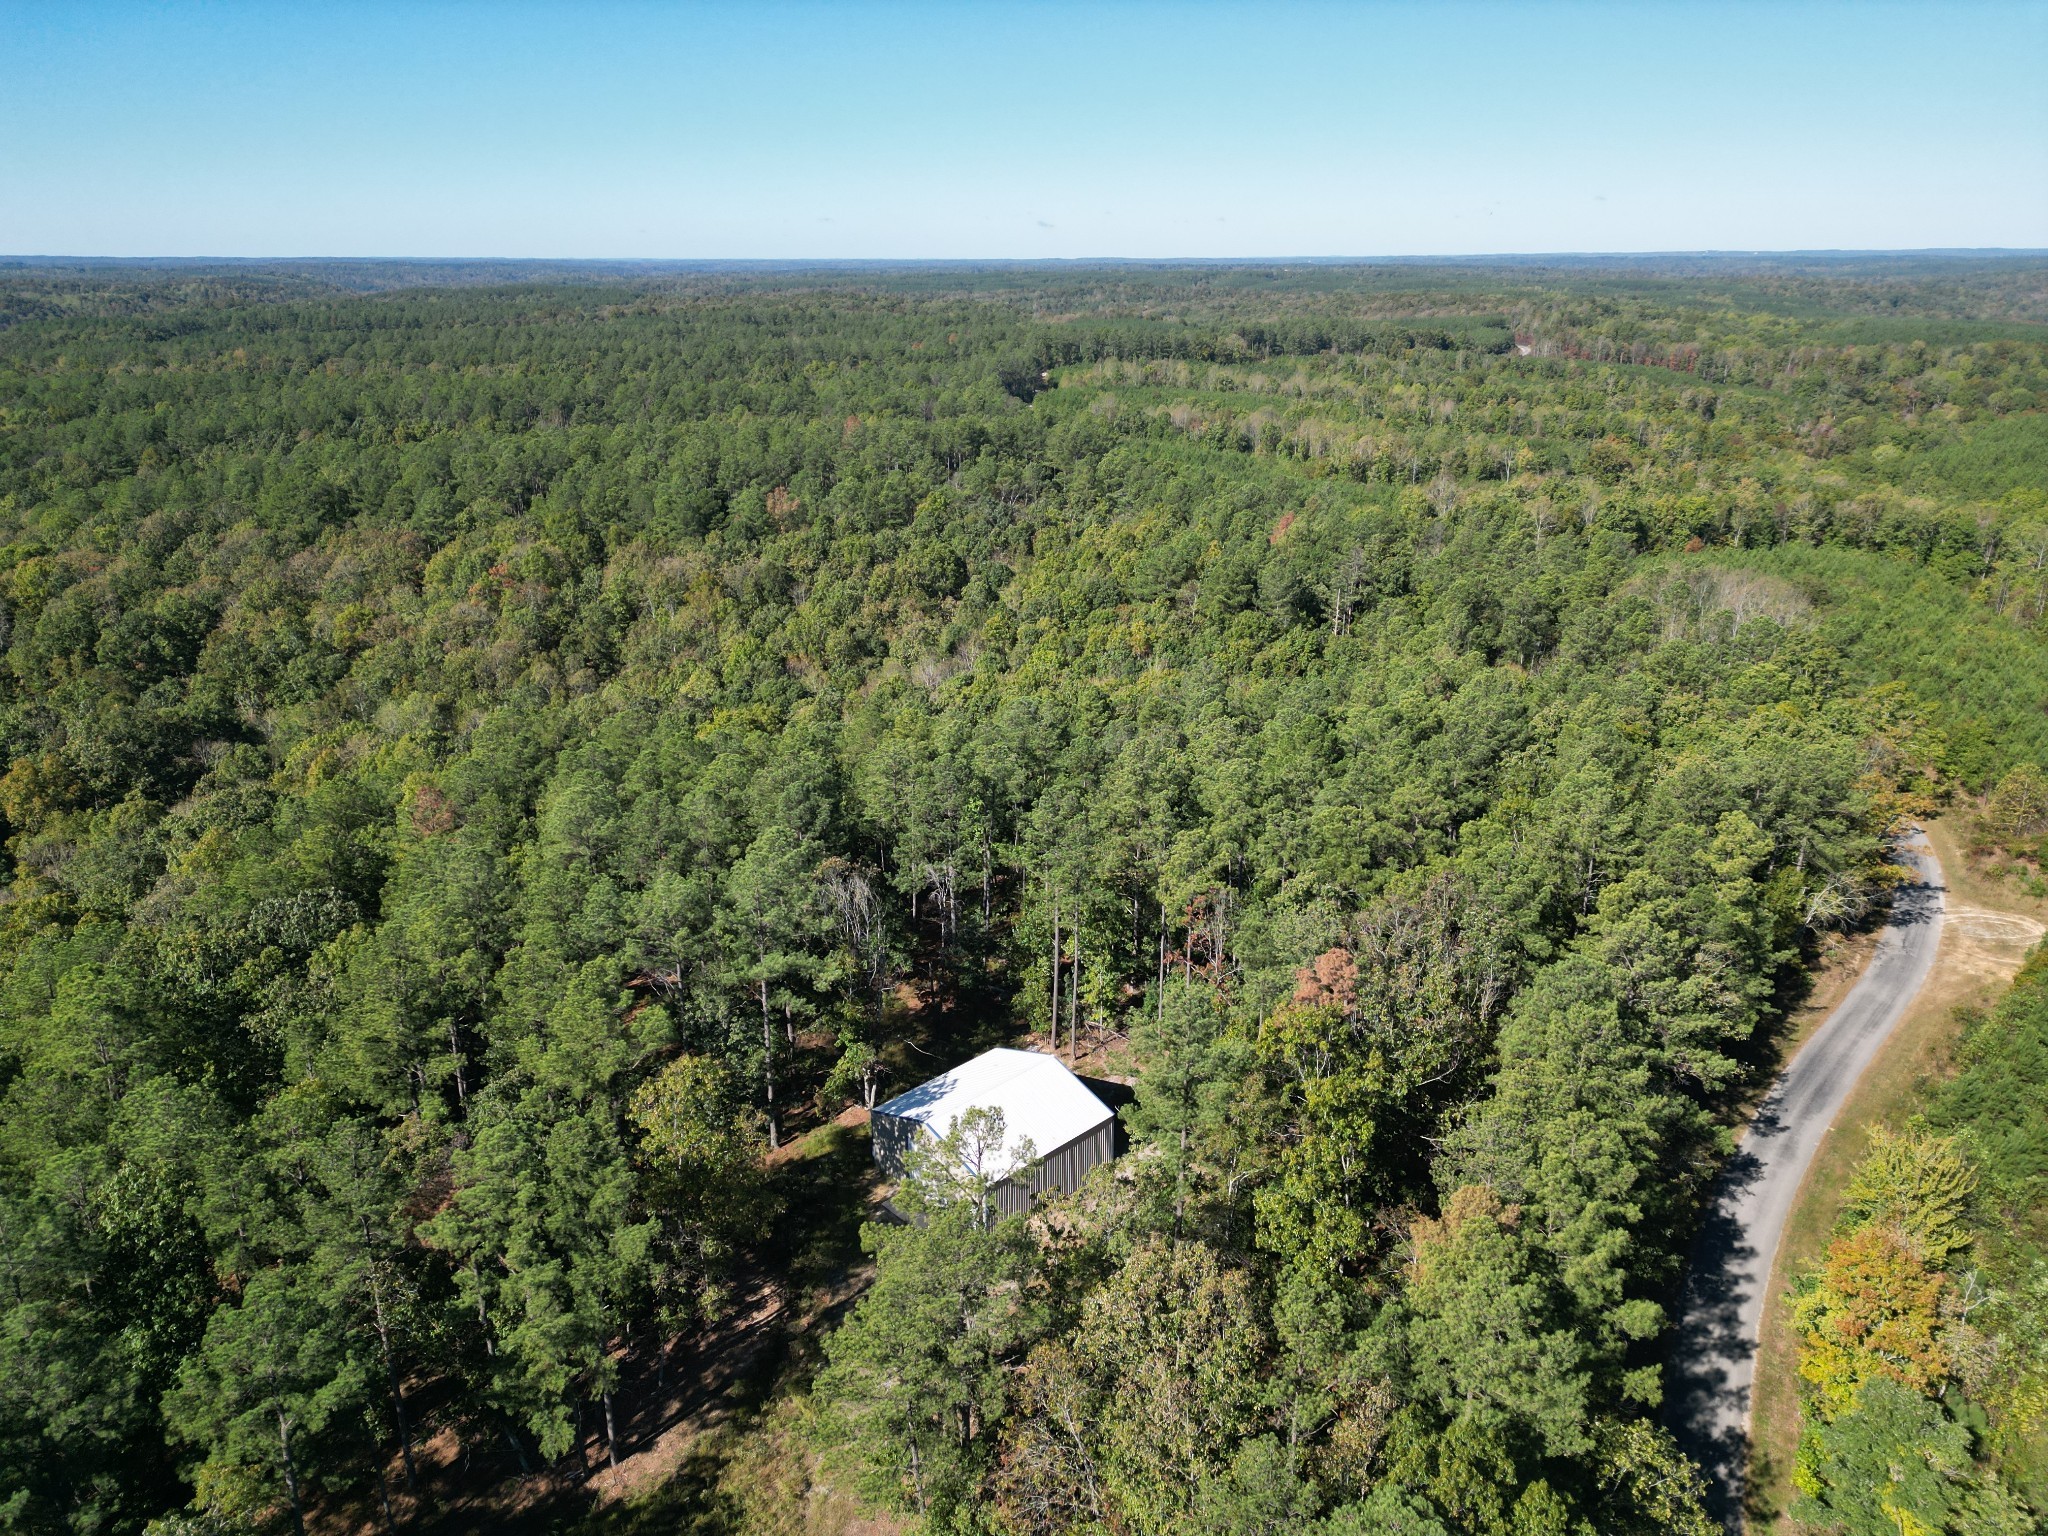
x=1714, y=1341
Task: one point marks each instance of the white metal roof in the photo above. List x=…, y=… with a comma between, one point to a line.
x=1040, y=1100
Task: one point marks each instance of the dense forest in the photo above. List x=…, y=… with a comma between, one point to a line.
x=496, y=762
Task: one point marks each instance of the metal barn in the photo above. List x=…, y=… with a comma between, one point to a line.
x=1069, y=1128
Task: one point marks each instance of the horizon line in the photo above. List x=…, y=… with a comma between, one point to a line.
x=27, y=259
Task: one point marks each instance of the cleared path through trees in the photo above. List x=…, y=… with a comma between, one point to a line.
x=1713, y=1350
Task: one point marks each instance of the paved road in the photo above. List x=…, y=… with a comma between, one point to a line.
x=1713, y=1351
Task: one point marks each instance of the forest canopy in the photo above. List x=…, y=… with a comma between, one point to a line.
x=496, y=761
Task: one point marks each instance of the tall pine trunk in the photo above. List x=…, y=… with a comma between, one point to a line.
x=1055, y=1014
x=383, y=1494
x=768, y=1067
x=1074, y=1003
x=291, y=1471
x=483, y=1318
x=512, y=1439
x=390, y=1364
x=916, y=1480
x=455, y=1055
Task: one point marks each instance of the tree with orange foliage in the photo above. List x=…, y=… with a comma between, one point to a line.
x=1874, y=1310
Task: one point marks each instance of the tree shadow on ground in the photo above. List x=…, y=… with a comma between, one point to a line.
x=681, y=1408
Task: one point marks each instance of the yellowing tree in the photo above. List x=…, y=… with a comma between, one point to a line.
x=2017, y=812
x=1921, y=1185
x=1875, y=1311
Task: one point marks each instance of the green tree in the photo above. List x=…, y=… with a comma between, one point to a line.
x=965, y=1166
x=1135, y=1419
x=1487, y=1346
x=1895, y=1464
x=1198, y=1110
x=271, y=1374
x=2016, y=814
x=350, y=1210
x=916, y=1380
x=701, y=1176
x=1646, y=1485
x=556, y=1255
x=771, y=923
x=1918, y=1183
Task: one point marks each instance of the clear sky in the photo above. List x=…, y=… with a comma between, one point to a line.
x=1021, y=130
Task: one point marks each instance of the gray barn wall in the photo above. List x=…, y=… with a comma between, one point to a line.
x=1062, y=1168
x=891, y=1139
x=1059, y=1169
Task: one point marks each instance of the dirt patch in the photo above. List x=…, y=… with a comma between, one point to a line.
x=685, y=1407
x=1989, y=946
x=1101, y=1053
x=730, y=1352
x=1973, y=883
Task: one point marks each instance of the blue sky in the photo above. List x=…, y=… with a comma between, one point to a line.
x=982, y=130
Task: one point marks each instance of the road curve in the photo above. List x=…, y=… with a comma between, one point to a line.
x=1714, y=1341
